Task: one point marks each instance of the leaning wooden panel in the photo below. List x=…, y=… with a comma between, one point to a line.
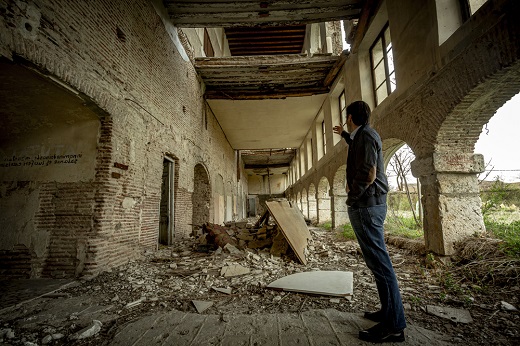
x=293, y=226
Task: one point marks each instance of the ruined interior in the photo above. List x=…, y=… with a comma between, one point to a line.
x=125, y=125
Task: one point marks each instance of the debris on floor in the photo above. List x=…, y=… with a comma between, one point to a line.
x=201, y=305
x=288, y=231
x=292, y=225
x=88, y=331
x=172, y=277
x=452, y=314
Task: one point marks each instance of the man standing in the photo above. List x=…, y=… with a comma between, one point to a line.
x=367, y=187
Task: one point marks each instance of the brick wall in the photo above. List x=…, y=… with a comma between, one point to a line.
x=119, y=55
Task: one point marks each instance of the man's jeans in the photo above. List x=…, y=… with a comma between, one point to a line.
x=368, y=226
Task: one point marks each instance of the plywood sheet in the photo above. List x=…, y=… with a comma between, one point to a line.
x=331, y=283
x=293, y=226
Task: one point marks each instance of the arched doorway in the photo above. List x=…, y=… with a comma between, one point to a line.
x=201, y=197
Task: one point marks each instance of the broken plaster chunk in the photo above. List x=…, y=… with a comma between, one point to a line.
x=223, y=290
x=234, y=270
x=232, y=249
x=9, y=333
x=508, y=307
x=134, y=303
x=202, y=305
x=87, y=332
x=331, y=283
x=452, y=314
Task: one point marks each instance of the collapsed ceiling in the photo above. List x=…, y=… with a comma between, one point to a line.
x=207, y=13
x=263, y=162
x=263, y=77
x=268, y=64
x=266, y=40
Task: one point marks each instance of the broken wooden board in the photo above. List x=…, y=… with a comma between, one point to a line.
x=329, y=283
x=293, y=226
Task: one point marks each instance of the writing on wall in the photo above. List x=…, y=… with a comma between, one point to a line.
x=40, y=160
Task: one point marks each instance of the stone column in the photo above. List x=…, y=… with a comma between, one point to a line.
x=305, y=208
x=313, y=210
x=323, y=209
x=450, y=197
x=339, y=207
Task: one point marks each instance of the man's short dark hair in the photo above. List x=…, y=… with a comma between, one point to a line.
x=360, y=112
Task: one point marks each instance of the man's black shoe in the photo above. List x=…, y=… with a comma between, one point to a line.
x=380, y=333
x=376, y=316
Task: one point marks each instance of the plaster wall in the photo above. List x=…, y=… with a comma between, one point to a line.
x=259, y=185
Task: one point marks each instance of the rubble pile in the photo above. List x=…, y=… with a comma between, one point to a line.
x=268, y=236
x=232, y=280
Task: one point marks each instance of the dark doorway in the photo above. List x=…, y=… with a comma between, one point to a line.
x=166, y=223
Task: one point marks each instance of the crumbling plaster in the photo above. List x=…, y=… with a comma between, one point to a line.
x=19, y=205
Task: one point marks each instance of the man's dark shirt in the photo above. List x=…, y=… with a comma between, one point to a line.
x=366, y=179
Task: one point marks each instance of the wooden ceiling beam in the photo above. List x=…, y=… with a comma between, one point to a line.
x=186, y=13
x=265, y=166
x=265, y=61
x=263, y=95
x=266, y=44
x=269, y=38
x=230, y=32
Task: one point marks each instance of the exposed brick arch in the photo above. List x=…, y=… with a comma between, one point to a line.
x=476, y=109
x=390, y=147
x=472, y=81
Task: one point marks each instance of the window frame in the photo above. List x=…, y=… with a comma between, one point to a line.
x=324, y=138
x=207, y=45
x=342, y=111
x=388, y=73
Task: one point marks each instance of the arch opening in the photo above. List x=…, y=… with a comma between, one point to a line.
x=201, y=198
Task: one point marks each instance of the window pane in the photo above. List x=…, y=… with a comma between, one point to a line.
x=388, y=39
x=383, y=72
x=381, y=93
x=342, y=108
x=377, y=52
x=379, y=74
x=342, y=100
x=324, y=137
x=393, y=85
x=390, y=56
